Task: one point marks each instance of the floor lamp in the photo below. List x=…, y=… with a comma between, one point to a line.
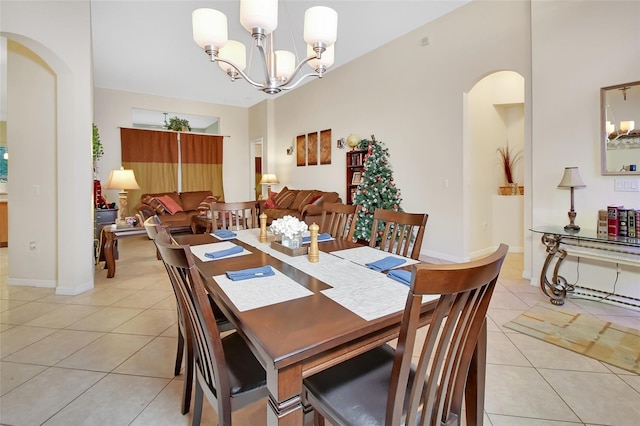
x=122, y=179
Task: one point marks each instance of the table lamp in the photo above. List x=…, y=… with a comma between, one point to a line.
x=269, y=179
x=571, y=179
x=122, y=179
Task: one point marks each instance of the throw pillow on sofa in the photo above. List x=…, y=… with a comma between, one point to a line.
x=270, y=203
x=154, y=203
x=205, y=205
x=170, y=205
x=285, y=198
x=302, y=199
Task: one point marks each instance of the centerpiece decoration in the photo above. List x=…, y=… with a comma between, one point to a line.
x=288, y=235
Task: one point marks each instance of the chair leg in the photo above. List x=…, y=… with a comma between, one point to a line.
x=197, y=409
x=318, y=420
x=188, y=379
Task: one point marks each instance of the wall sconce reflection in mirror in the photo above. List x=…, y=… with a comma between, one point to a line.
x=290, y=150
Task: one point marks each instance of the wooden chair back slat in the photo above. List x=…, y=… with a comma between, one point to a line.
x=402, y=234
x=337, y=219
x=235, y=216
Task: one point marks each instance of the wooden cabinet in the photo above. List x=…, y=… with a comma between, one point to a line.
x=355, y=165
x=4, y=224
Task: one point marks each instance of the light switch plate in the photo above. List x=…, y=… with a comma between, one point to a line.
x=626, y=185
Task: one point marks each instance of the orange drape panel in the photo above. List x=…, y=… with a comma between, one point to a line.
x=153, y=157
x=201, y=157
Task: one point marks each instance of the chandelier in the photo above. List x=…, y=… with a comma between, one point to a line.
x=260, y=18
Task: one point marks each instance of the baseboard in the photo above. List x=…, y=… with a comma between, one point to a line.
x=30, y=282
x=73, y=291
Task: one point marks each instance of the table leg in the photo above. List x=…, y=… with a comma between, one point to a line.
x=109, y=255
x=557, y=288
x=284, y=407
x=474, y=391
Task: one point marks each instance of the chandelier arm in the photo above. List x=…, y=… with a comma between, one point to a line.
x=294, y=85
x=295, y=71
x=268, y=60
x=235, y=67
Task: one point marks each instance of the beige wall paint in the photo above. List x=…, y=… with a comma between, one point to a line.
x=411, y=98
x=113, y=110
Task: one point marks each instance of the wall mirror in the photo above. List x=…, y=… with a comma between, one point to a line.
x=620, y=129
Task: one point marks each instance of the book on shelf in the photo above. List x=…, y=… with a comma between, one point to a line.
x=632, y=223
x=622, y=222
x=603, y=223
x=612, y=220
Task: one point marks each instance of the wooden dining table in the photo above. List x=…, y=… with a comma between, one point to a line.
x=300, y=337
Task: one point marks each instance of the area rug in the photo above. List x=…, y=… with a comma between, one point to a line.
x=584, y=334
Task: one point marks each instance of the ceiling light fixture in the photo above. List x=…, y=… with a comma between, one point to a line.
x=260, y=18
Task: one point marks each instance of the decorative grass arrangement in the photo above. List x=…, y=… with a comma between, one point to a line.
x=509, y=159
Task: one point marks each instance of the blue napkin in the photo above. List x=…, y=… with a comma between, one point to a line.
x=385, y=264
x=325, y=236
x=223, y=233
x=401, y=276
x=245, y=274
x=222, y=253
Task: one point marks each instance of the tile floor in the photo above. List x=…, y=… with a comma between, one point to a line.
x=105, y=357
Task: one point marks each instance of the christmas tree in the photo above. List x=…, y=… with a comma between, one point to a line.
x=376, y=190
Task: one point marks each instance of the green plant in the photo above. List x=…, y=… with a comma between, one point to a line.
x=508, y=160
x=98, y=151
x=178, y=124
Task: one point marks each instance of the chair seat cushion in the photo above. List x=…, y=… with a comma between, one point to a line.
x=355, y=392
x=245, y=372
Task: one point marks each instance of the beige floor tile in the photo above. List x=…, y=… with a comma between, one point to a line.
x=171, y=331
x=632, y=379
x=507, y=300
x=13, y=374
x=156, y=359
x=30, y=293
x=27, y=312
x=4, y=327
x=596, y=397
x=627, y=321
x=502, y=316
x=164, y=410
x=106, y=319
x=546, y=355
x=20, y=337
x=54, y=348
x=114, y=400
x=532, y=299
x=106, y=353
x=102, y=296
x=6, y=304
x=166, y=303
x=500, y=350
x=601, y=308
x=497, y=420
x=519, y=286
x=53, y=389
x=143, y=299
x=64, y=316
x=522, y=391
x=151, y=322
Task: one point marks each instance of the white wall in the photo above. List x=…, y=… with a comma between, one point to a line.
x=58, y=32
x=113, y=110
x=411, y=98
x=575, y=51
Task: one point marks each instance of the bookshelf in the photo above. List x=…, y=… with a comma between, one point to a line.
x=355, y=165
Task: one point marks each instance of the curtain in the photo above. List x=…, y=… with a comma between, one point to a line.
x=153, y=157
x=201, y=157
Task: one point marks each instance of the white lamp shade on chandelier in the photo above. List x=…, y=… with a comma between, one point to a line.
x=260, y=18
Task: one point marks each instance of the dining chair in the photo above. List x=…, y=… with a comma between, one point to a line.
x=397, y=232
x=383, y=387
x=226, y=370
x=185, y=343
x=337, y=219
x=234, y=216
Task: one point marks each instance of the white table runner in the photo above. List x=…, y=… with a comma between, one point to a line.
x=366, y=254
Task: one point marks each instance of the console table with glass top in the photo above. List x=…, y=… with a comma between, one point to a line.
x=586, y=244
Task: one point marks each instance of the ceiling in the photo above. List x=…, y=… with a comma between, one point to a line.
x=147, y=46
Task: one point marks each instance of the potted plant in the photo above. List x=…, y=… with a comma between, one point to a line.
x=178, y=124
x=508, y=160
x=98, y=151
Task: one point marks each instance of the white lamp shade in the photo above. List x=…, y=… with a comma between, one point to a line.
x=626, y=126
x=320, y=25
x=571, y=179
x=209, y=27
x=259, y=14
x=268, y=179
x=121, y=179
x=235, y=52
x=326, y=60
x=285, y=64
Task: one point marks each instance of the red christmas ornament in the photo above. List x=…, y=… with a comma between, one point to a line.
x=380, y=233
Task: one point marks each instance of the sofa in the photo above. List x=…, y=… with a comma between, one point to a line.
x=304, y=204
x=174, y=209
